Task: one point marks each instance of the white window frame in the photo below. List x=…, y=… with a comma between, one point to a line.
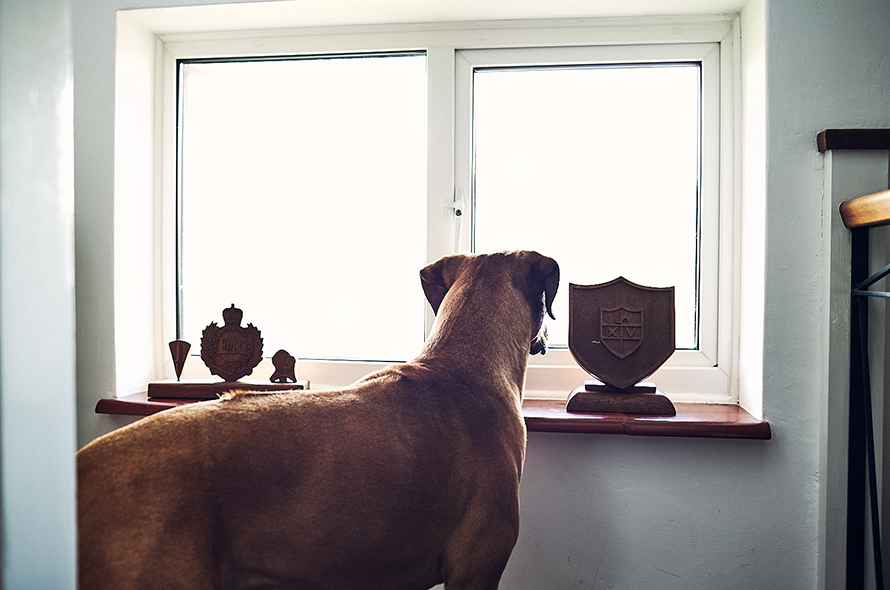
x=705, y=375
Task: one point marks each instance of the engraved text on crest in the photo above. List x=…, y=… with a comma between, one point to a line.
x=621, y=330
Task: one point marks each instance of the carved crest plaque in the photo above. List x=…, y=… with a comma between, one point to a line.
x=231, y=351
x=620, y=333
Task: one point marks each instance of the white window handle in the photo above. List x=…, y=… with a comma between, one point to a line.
x=458, y=205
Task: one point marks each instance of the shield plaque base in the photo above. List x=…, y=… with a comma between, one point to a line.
x=643, y=398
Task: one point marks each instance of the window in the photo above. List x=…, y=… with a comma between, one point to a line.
x=318, y=173
x=597, y=166
x=595, y=162
x=297, y=177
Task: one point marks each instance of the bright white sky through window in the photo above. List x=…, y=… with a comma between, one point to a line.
x=303, y=191
x=303, y=202
x=597, y=167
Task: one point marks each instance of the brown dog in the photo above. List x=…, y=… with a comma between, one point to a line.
x=405, y=479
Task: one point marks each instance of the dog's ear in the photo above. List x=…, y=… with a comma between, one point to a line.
x=548, y=270
x=438, y=277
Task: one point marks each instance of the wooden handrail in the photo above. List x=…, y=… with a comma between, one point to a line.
x=868, y=211
x=853, y=139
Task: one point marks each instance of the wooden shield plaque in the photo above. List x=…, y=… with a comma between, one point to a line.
x=621, y=332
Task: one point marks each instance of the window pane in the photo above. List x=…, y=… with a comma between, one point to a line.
x=597, y=167
x=303, y=202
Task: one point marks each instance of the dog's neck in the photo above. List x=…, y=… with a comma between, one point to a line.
x=498, y=330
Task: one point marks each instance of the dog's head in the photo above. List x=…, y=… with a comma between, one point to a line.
x=533, y=274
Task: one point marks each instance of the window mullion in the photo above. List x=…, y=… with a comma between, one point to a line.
x=440, y=155
x=440, y=138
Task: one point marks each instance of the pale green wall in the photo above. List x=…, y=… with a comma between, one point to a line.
x=37, y=398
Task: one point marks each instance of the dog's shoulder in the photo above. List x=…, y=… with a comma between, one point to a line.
x=407, y=381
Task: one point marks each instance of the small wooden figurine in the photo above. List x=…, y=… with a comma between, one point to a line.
x=284, y=368
x=179, y=349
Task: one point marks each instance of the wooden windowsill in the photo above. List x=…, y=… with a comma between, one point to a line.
x=692, y=420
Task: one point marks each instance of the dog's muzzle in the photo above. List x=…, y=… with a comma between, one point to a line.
x=539, y=342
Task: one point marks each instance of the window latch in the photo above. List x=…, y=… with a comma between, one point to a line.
x=458, y=203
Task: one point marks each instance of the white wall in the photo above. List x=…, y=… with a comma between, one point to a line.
x=37, y=397
x=842, y=82
x=604, y=511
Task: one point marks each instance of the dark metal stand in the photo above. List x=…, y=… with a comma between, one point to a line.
x=862, y=463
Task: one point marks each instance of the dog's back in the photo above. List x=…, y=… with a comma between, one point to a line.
x=297, y=488
x=405, y=479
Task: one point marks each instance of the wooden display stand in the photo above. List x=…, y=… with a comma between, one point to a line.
x=231, y=352
x=596, y=397
x=214, y=389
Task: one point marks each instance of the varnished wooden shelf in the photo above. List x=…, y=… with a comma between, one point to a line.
x=196, y=390
x=138, y=404
x=692, y=420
